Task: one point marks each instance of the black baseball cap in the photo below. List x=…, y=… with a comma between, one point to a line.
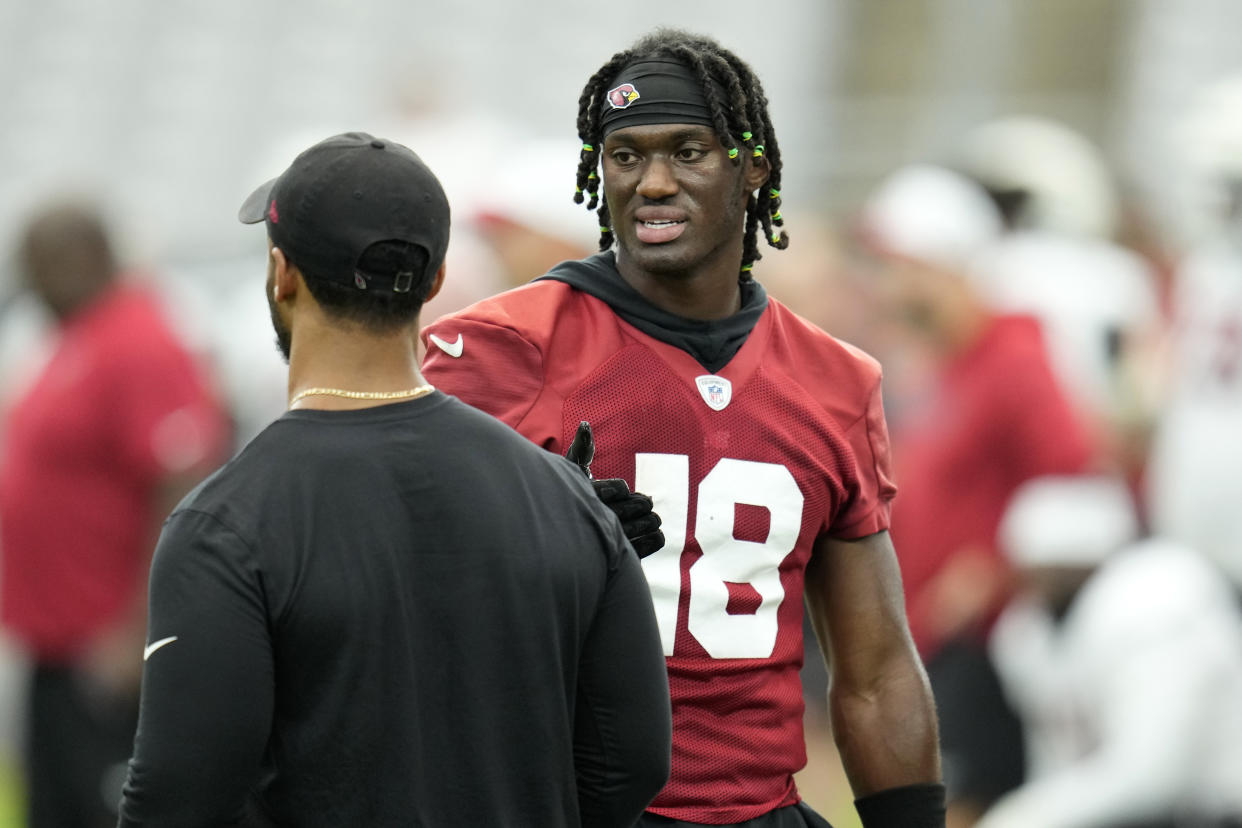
x=345, y=194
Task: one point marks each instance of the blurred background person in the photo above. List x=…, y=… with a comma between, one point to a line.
x=114, y=430
x=989, y=416
x=1096, y=302
x=816, y=278
x=526, y=214
x=1195, y=474
x=1124, y=658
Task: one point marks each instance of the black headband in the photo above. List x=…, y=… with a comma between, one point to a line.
x=655, y=91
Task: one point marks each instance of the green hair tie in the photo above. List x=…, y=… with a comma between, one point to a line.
x=733, y=153
x=604, y=229
x=747, y=267
x=776, y=216
x=591, y=177
x=759, y=151
x=775, y=193
x=588, y=148
x=577, y=189
x=746, y=136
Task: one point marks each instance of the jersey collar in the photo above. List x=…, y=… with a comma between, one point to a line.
x=712, y=343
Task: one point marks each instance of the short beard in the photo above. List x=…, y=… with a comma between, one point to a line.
x=284, y=338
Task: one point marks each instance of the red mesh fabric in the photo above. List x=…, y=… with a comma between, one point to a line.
x=798, y=451
x=737, y=722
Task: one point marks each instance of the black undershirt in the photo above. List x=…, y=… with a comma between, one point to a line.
x=712, y=343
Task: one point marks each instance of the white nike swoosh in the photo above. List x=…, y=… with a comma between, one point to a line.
x=452, y=349
x=150, y=648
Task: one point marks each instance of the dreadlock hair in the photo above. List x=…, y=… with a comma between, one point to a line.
x=741, y=115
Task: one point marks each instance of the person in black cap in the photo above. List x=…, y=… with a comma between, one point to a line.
x=389, y=609
x=760, y=438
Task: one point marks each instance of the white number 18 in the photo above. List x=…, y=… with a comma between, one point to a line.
x=725, y=560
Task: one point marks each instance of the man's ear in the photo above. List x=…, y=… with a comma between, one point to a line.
x=757, y=173
x=437, y=282
x=286, y=276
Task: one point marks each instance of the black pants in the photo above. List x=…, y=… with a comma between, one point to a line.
x=981, y=740
x=792, y=816
x=76, y=750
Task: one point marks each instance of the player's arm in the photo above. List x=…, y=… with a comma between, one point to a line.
x=623, y=721
x=883, y=717
x=207, y=687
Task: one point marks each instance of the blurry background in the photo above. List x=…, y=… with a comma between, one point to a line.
x=172, y=109
x=169, y=113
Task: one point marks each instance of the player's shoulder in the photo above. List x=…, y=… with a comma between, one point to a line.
x=1183, y=594
x=1177, y=579
x=224, y=491
x=253, y=484
x=531, y=311
x=805, y=348
x=216, y=520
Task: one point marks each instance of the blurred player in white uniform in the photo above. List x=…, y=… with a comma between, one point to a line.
x=1125, y=661
x=1195, y=476
x=1096, y=300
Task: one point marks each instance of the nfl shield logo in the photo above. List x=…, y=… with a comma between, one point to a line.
x=716, y=391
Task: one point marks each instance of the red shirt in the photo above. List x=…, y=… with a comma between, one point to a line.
x=119, y=407
x=747, y=467
x=995, y=419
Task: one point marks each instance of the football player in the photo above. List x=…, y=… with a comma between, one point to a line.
x=760, y=438
x=1193, y=481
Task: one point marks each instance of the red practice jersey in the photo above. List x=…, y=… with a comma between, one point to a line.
x=748, y=467
x=120, y=407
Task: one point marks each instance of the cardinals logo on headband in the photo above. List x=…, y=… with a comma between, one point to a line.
x=622, y=96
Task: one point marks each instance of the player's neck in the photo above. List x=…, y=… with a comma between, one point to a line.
x=707, y=292
x=345, y=358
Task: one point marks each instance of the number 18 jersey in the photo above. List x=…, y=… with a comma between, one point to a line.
x=748, y=466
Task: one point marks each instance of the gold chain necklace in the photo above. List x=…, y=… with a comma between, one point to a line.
x=408, y=394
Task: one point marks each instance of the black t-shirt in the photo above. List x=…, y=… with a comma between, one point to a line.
x=400, y=615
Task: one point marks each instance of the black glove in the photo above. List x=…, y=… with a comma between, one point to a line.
x=582, y=450
x=640, y=524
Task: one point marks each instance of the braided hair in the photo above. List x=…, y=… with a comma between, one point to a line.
x=742, y=114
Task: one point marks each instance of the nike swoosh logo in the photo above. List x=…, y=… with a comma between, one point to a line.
x=150, y=648
x=453, y=349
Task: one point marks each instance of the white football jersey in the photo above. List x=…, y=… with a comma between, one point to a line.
x=1195, y=472
x=1131, y=701
x=1088, y=294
